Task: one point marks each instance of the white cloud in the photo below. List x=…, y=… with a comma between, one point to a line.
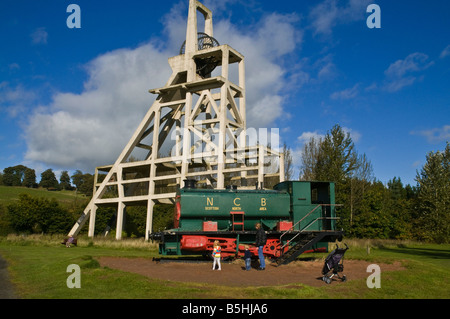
x=324, y=16
x=435, y=135
x=307, y=136
x=346, y=94
x=400, y=73
x=263, y=46
x=326, y=69
x=297, y=154
x=416, y=164
x=15, y=100
x=14, y=67
x=39, y=36
x=412, y=63
x=218, y=6
x=91, y=128
x=355, y=135
x=328, y=14
x=446, y=52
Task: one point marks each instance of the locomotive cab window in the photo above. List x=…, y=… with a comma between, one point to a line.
x=320, y=193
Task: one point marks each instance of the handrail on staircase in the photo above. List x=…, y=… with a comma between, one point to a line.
x=309, y=224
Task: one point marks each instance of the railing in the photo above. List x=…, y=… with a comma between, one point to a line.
x=309, y=224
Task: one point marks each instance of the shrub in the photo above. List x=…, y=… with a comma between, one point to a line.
x=38, y=215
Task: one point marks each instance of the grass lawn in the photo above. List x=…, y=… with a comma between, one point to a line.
x=39, y=270
x=10, y=194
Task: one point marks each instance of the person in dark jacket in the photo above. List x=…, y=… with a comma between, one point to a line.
x=260, y=241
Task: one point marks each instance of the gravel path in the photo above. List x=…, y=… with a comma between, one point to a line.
x=232, y=274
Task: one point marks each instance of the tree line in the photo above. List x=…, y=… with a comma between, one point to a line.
x=34, y=214
x=21, y=175
x=370, y=208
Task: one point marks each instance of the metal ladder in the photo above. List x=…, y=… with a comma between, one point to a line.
x=237, y=223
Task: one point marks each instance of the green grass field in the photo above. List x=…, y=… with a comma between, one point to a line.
x=10, y=194
x=38, y=264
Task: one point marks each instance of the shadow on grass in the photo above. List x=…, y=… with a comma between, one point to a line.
x=420, y=252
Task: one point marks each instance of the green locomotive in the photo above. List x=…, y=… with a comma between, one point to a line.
x=297, y=216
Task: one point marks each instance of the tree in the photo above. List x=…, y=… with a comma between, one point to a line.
x=334, y=158
x=399, y=208
x=77, y=178
x=88, y=184
x=14, y=175
x=64, y=181
x=162, y=218
x=370, y=219
x=288, y=165
x=330, y=158
x=310, y=155
x=83, y=182
x=360, y=181
x=37, y=215
x=5, y=227
x=8, y=176
x=48, y=179
x=433, y=182
x=337, y=158
x=29, y=179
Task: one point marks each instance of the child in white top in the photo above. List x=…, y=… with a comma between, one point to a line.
x=216, y=254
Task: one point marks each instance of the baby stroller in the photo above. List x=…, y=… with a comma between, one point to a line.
x=334, y=264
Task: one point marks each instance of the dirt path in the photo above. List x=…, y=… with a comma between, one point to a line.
x=6, y=288
x=233, y=274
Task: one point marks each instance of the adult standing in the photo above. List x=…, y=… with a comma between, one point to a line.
x=260, y=241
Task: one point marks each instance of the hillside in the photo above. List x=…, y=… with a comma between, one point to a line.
x=9, y=194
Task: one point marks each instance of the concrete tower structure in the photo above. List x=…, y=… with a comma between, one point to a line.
x=195, y=129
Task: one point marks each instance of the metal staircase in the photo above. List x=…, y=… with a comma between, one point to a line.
x=305, y=243
x=306, y=240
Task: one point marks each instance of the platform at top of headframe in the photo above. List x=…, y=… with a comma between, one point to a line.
x=199, y=85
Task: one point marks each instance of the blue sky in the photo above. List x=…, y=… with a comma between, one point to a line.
x=71, y=98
